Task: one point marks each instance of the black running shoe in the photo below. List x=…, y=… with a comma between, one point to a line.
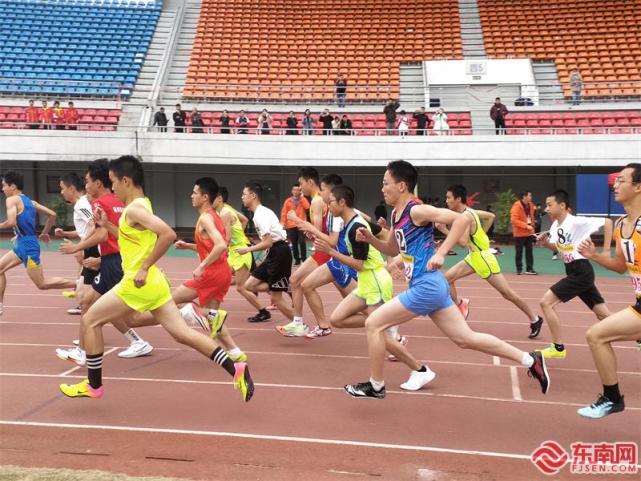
x=262, y=316
x=531, y=273
x=364, y=389
x=539, y=371
x=535, y=327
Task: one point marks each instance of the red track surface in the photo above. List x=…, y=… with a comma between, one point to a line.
x=175, y=413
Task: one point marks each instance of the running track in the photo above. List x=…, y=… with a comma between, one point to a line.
x=173, y=413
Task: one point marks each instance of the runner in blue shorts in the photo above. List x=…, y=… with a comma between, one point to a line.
x=428, y=292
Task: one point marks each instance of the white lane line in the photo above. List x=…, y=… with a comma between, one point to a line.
x=516, y=390
x=74, y=369
x=496, y=360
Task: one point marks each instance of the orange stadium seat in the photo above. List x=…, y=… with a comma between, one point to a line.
x=612, y=122
x=89, y=119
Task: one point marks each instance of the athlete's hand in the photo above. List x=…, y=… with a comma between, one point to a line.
x=46, y=238
x=542, y=238
x=181, y=245
x=242, y=251
x=79, y=257
x=292, y=217
x=382, y=223
x=68, y=247
x=587, y=249
x=99, y=216
x=198, y=272
x=363, y=234
x=322, y=245
x=436, y=262
x=58, y=232
x=394, y=271
x=141, y=277
x=92, y=263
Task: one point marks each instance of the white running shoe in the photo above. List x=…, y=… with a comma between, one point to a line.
x=74, y=311
x=418, y=379
x=136, y=349
x=194, y=318
x=293, y=329
x=75, y=354
x=76, y=342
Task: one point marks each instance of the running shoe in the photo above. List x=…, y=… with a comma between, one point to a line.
x=75, y=354
x=293, y=329
x=215, y=323
x=601, y=408
x=535, y=327
x=243, y=381
x=76, y=342
x=262, y=316
x=194, y=318
x=531, y=273
x=82, y=389
x=136, y=349
x=364, y=389
x=242, y=357
x=271, y=307
x=539, y=371
x=74, y=311
x=318, y=332
x=555, y=257
x=69, y=294
x=464, y=307
x=418, y=379
x=551, y=352
x=403, y=340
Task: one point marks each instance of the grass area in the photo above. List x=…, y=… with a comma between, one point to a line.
x=15, y=473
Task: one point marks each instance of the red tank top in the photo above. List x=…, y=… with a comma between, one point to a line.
x=113, y=209
x=204, y=245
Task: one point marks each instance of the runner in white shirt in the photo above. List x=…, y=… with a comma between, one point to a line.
x=565, y=235
x=273, y=274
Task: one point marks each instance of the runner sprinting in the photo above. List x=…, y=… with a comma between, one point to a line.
x=428, y=292
x=480, y=260
x=22, y=217
x=143, y=239
x=624, y=325
x=565, y=235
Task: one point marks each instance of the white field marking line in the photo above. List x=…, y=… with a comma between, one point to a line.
x=516, y=390
x=496, y=361
x=308, y=387
x=74, y=369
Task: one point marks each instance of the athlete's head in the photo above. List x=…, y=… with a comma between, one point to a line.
x=341, y=198
x=627, y=184
x=455, y=196
x=204, y=193
x=327, y=183
x=126, y=173
x=221, y=197
x=400, y=178
x=309, y=180
x=70, y=186
x=252, y=194
x=12, y=182
x=97, y=177
x=557, y=203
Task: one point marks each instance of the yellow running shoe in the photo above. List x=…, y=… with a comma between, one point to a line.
x=82, y=389
x=243, y=381
x=242, y=357
x=216, y=323
x=69, y=294
x=550, y=352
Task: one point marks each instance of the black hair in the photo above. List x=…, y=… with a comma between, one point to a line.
x=75, y=180
x=208, y=187
x=296, y=184
x=99, y=170
x=459, y=192
x=309, y=173
x=332, y=180
x=223, y=192
x=128, y=166
x=344, y=192
x=524, y=193
x=636, y=172
x=402, y=171
x=561, y=196
x=14, y=178
x=255, y=188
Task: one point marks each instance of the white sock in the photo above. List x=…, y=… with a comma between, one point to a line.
x=132, y=336
x=377, y=385
x=536, y=319
x=212, y=313
x=234, y=352
x=528, y=360
x=298, y=319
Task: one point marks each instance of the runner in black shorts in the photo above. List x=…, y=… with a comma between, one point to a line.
x=276, y=269
x=88, y=274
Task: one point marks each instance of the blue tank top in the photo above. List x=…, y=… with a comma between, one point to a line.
x=26, y=220
x=341, y=245
x=416, y=243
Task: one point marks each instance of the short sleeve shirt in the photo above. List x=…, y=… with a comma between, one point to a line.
x=571, y=232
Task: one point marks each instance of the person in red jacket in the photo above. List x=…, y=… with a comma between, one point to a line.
x=46, y=116
x=32, y=116
x=71, y=117
x=58, y=116
x=522, y=219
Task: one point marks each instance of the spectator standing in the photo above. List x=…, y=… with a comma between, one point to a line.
x=308, y=123
x=46, y=116
x=421, y=121
x=160, y=119
x=299, y=204
x=197, y=123
x=390, y=115
x=71, y=117
x=242, y=123
x=292, y=124
x=326, y=118
x=180, y=119
x=576, y=84
x=403, y=124
x=346, y=126
x=498, y=113
x=224, y=123
x=32, y=116
x=341, y=90
x=440, y=122
x=336, y=125
x=264, y=123
x=58, y=116
x=523, y=226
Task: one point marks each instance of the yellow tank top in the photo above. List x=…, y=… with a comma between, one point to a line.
x=238, y=237
x=135, y=245
x=631, y=248
x=479, y=241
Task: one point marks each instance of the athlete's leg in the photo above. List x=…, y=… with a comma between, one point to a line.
x=295, y=282
x=458, y=271
x=282, y=304
x=317, y=278
x=499, y=282
x=548, y=304
x=7, y=262
x=601, y=311
x=240, y=279
x=44, y=283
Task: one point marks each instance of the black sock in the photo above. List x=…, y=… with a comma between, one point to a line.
x=559, y=347
x=220, y=357
x=612, y=393
x=94, y=370
x=422, y=369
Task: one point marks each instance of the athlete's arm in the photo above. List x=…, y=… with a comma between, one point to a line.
x=243, y=219
x=12, y=213
x=219, y=243
x=181, y=245
x=51, y=219
x=264, y=244
x=66, y=234
x=617, y=263
x=317, y=213
x=387, y=247
x=323, y=246
x=486, y=218
x=424, y=214
x=608, y=228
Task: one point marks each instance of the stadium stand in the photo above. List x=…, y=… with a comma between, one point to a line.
x=89, y=119
x=74, y=47
x=273, y=43
x=585, y=122
x=600, y=39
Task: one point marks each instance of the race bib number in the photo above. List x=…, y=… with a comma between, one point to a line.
x=408, y=261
